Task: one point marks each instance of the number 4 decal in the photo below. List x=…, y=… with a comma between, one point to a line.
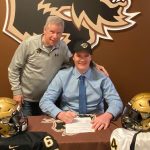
x=113, y=144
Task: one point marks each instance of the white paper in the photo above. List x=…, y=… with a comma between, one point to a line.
x=79, y=125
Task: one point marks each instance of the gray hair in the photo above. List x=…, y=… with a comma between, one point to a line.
x=54, y=20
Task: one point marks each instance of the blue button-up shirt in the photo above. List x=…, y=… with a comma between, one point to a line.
x=98, y=88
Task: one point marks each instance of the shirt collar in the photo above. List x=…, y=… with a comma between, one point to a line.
x=77, y=74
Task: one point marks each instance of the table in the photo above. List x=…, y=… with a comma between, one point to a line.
x=99, y=140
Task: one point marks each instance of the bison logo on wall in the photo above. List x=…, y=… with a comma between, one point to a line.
x=90, y=20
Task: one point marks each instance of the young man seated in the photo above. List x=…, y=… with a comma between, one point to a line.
x=83, y=90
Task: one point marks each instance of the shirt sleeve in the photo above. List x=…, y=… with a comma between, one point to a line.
x=14, y=70
x=47, y=102
x=112, y=98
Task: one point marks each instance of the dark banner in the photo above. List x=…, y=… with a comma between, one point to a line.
x=90, y=20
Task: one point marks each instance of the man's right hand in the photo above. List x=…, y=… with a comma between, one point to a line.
x=66, y=116
x=18, y=99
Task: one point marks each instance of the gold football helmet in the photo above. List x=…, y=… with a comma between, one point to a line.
x=12, y=120
x=136, y=115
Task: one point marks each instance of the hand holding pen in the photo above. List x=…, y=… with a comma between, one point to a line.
x=67, y=116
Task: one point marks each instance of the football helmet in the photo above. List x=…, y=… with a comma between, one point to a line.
x=12, y=120
x=136, y=115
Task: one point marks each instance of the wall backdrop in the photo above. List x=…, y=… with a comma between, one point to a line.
x=126, y=57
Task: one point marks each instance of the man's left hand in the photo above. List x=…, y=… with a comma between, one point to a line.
x=102, y=121
x=101, y=68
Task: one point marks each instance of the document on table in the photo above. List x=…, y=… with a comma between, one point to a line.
x=79, y=125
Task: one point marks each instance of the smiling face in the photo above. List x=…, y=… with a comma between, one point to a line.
x=82, y=61
x=52, y=34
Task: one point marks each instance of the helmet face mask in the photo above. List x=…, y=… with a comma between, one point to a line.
x=136, y=115
x=131, y=119
x=12, y=120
